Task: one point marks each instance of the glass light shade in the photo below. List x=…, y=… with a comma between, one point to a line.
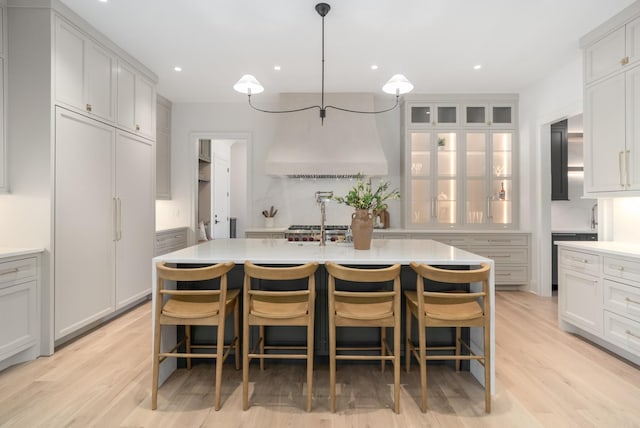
x=398, y=84
x=248, y=85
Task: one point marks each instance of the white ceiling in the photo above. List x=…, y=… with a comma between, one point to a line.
x=435, y=43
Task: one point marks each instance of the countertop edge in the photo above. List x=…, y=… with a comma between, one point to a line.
x=16, y=252
x=624, y=249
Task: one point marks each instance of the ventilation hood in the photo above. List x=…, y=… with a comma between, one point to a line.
x=347, y=144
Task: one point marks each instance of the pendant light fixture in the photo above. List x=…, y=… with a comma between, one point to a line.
x=397, y=85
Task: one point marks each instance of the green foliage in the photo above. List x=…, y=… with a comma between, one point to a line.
x=362, y=196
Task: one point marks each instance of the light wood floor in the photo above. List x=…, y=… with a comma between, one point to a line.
x=544, y=378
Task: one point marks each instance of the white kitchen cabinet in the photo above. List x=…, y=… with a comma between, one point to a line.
x=171, y=240
x=614, y=51
x=580, y=290
x=103, y=232
x=3, y=103
x=19, y=309
x=457, y=177
x=163, y=148
x=432, y=114
x=136, y=101
x=84, y=72
x=612, y=107
x=488, y=115
x=135, y=208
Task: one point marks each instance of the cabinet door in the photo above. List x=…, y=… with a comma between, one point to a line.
x=3, y=142
x=604, y=120
x=135, y=214
x=18, y=318
x=477, y=166
x=145, y=107
x=83, y=251
x=632, y=33
x=581, y=299
x=446, y=167
x=605, y=56
x=69, y=65
x=559, y=162
x=631, y=156
x=100, y=82
x=502, y=195
x=126, y=96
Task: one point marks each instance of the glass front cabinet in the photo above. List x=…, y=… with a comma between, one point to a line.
x=460, y=177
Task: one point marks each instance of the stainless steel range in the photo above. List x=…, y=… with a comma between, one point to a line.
x=311, y=233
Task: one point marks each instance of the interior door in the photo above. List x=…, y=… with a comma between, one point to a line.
x=220, y=201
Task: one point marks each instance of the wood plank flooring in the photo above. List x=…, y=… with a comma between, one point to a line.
x=544, y=378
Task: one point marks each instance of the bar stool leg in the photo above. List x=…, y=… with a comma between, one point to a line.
x=261, y=328
x=423, y=366
x=236, y=335
x=187, y=332
x=458, y=338
x=383, y=338
x=407, y=337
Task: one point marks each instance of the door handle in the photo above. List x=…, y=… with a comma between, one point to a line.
x=115, y=219
x=118, y=219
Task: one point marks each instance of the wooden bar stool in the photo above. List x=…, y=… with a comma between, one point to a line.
x=195, y=307
x=358, y=308
x=279, y=307
x=448, y=309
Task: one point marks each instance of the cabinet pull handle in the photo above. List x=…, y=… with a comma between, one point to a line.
x=119, y=218
x=617, y=267
x=89, y=107
x=624, y=60
x=630, y=333
x=115, y=219
x=627, y=155
x=489, y=210
x=434, y=207
x=621, y=172
x=579, y=260
x=627, y=299
x=8, y=271
x=137, y=127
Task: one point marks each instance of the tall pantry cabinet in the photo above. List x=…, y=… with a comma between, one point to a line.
x=91, y=106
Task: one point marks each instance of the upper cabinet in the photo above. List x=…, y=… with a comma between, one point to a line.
x=612, y=106
x=84, y=72
x=480, y=115
x=163, y=148
x=136, y=97
x=616, y=50
x=3, y=115
x=456, y=177
x=427, y=115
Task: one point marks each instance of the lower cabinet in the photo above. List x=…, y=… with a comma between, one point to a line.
x=600, y=295
x=103, y=237
x=19, y=309
x=509, y=251
x=171, y=240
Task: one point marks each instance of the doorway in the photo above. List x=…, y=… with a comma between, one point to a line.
x=221, y=187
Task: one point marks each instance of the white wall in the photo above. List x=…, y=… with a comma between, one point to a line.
x=626, y=219
x=556, y=97
x=294, y=198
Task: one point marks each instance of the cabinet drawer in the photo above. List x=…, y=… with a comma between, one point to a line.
x=168, y=241
x=582, y=262
x=622, y=268
x=622, y=331
x=17, y=270
x=622, y=299
x=511, y=274
x=503, y=255
x=500, y=240
x=454, y=241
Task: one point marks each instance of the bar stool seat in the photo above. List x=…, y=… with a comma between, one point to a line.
x=191, y=307
x=457, y=312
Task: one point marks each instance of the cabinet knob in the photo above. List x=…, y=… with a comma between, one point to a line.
x=137, y=127
x=624, y=61
x=89, y=107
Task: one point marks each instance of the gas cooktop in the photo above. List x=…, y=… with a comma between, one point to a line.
x=311, y=232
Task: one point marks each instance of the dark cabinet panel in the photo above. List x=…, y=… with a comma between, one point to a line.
x=559, y=162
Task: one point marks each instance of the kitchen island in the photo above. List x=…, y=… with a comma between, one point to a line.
x=382, y=252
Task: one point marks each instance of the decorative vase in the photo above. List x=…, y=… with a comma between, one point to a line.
x=362, y=229
x=269, y=222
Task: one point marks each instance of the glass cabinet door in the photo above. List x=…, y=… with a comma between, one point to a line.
x=432, y=181
x=476, y=178
x=501, y=212
x=446, y=168
x=420, y=181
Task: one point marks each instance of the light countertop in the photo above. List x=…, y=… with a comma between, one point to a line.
x=13, y=252
x=281, y=251
x=625, y=249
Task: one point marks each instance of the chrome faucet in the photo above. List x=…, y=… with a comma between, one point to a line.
x=594, y=216
x=321, y=198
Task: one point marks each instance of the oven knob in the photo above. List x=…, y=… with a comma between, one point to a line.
x=289, y=239
x=296, y=239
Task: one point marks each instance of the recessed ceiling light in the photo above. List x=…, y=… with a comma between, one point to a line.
x=477, y=67
x=177, y=68
x=374, y=67
x=103, y=1
x=276, y=67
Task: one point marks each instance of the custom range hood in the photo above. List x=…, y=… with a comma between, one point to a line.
x=344, y=146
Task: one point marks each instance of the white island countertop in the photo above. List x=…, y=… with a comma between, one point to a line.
x=281, y=251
